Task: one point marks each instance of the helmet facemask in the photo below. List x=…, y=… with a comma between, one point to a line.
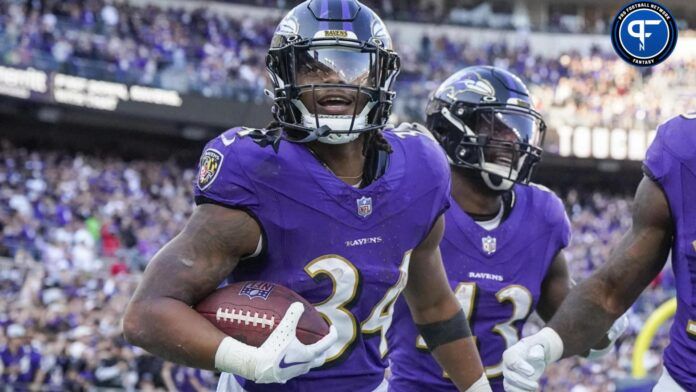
x=502, y=142
x=330, y=89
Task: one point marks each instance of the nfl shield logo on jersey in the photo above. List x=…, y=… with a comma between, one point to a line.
x=364, y=206
x=488, y=244
x=257, y=290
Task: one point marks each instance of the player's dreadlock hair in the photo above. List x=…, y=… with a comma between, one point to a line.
x=375, y=140
x=375, y=149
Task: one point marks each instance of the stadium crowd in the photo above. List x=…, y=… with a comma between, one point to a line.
x=591, y=90
x=412, y=11
x=77, y=230
x=202, y=52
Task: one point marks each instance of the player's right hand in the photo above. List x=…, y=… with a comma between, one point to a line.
x=284, y=357
x=280, y=358
x=525, y=361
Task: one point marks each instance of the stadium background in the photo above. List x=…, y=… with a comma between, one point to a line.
x=105, y=106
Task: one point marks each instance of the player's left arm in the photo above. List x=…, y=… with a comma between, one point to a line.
x=634, y=262
x=439, y=316
x=594, y=304
x=554, y=290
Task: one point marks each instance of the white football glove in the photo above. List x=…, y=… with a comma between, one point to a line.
x=617, y=329
x=280, y=358
x=525, y=361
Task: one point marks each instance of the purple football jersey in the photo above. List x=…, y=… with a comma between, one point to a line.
x=671, y=161
x=347, y=250
x=496, y=275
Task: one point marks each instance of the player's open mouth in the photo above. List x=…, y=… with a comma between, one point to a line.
x=503, y=160
x=335, y=104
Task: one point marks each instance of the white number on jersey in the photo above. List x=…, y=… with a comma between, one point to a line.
x=346, y=280
x=521, y=300
x=380, y=318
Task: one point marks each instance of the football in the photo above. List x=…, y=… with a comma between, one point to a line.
x=250, y=311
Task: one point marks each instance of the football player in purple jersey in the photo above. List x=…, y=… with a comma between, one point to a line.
x=664, y=220
x=502, y=247
x=342, y=211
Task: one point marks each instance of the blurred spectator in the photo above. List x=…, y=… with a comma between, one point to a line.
x=20, y=362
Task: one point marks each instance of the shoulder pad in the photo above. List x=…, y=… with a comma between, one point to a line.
x=549, y=202
x=263, y=137
x=678, y=135
x=541, y=187
x=554, y=213
x=412, y=129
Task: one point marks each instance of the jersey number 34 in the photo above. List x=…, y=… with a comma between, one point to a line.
x=346, y=281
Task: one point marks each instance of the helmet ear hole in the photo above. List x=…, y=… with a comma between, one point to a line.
x=377, y=41
x=463, y=153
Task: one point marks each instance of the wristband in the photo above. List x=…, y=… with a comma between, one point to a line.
x=481, y=385
x=595, y=354
x=554, y=349
x=235, y=357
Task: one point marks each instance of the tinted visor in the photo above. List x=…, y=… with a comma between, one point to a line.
x=507, y=126
x=355, y=67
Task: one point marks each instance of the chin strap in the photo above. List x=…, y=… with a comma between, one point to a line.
x=267, y=137
x=340, y=123
x=338, y=138
x=495, y=176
